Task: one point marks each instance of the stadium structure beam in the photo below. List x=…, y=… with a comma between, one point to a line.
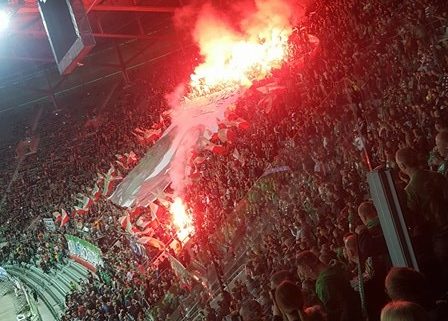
x=29, y=59
x=112, y=8
x=42, y=34
x=138, y=53
x=124, y=36
x=93, y=4
x=122, y=63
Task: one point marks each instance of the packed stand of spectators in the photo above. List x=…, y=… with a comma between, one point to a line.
x=53, y=178
x=374, y=96
x=38, y=247
x=316, y=250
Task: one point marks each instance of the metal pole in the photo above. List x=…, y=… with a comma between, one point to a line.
x=124, y=70
x=218, y=270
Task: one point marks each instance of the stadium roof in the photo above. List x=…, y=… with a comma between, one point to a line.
x=134, y=26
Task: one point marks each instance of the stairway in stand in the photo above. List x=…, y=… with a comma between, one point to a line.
x=51, y=287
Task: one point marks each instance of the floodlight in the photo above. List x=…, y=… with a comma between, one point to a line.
x=5, y=18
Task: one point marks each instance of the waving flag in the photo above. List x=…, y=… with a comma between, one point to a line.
x=96, y=193
x=226, y=135
x=79, y=210
x=131, y=229
x=127, y=160
x=156, y=210
x=120, y=158
x=112, y=171
x=84, y=205
x=126, y=224
x=122, y=165
x=150, y=241
x=180, y=271
x=131, y=158
x=148, y=231
x=57, y=217
x=147, y=136
x=111, y=179
x=239, y=123
x=152, y=174
x=136, y=212
x=100, y=178
x=216, y=149
x=144, y=221
x=124, y=221
x=122, y=161
x=64, y=218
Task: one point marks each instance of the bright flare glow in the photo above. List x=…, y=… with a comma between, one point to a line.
x=181, y=219
x=238, y=57
x=5, y=18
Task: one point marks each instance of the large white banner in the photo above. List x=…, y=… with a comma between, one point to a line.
x=151, y=176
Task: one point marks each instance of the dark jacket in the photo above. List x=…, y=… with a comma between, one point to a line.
x=340, y=301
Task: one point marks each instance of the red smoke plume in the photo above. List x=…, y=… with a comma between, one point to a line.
x=239, y=44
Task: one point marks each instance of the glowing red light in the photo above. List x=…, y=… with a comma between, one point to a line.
x=181, y=219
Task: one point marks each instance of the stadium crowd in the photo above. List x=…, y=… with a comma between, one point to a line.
x=53, y=179
x=309, y=236
x=371, y=92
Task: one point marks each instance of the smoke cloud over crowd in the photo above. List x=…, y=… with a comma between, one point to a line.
x=238, y=44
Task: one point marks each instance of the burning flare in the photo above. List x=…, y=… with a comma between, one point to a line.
x=238, y=57
x=181, y=219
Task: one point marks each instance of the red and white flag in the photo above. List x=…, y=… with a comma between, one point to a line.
x=131, y=229
x=131, y=158
x=110, y=180
x=148, y=231
x=100, y=179
x=64, y=217
x=57, y=217
x=136, y=212
x=150, y=241
x=126, y=224
x=144, y=221
x=84, y=206
x=127, y=160
x=226, y=135
x=96, y=193
x=124, y=221
x=120, y=158
x=147, y=136
x=122, y=165
x=199, y=160
x=240, y=123
x=216, y=149
x=156, y=210
x=112, y=171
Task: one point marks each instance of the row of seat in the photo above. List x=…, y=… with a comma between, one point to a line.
x=52, y=288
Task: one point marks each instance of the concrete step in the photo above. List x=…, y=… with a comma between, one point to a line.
x=72, y=273
x=80, y=269
x=41, y=278
x=64, y=280
x=51, y=281
x=45, y=294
